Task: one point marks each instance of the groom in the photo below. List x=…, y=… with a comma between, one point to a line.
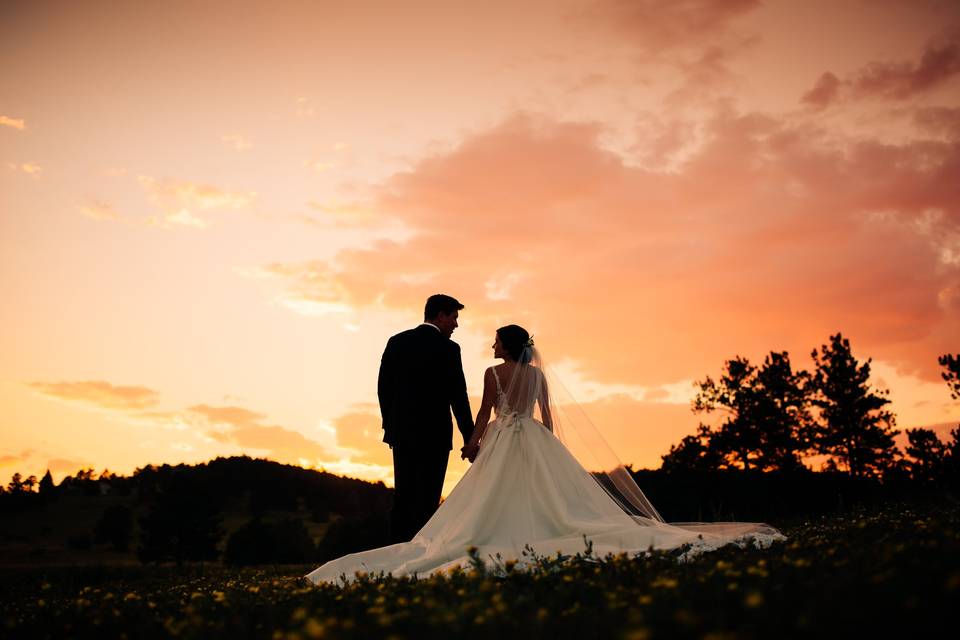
x=421, y=378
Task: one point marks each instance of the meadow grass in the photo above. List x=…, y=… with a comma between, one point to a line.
x=869, y=571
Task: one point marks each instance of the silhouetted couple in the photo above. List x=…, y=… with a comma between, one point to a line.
x=525, y=488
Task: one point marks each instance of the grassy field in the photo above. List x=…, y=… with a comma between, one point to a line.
x=867, y=572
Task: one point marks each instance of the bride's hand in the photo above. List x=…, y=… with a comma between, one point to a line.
x=470, y=451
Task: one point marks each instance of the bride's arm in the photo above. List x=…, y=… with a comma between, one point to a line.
x=486, y=404
x=544, y=401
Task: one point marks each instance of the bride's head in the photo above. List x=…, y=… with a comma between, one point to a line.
x=512, y=343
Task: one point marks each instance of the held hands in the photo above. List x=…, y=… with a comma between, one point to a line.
x=470, y=451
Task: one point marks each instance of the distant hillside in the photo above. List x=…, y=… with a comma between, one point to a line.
x=75, y=521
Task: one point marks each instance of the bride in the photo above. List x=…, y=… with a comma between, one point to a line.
x=528, y=487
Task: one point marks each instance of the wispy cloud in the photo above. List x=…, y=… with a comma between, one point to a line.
x=194, y=195
x=902, y=80
x=30, y=168
x=229, y=415
x=99, y=393
x=656, y=26
x=68, y=465
x=237, y=141
x=181, y=218
x=308, y=289
x=246, y=429
x=11, y=459
x=320, y=166
x=181, y=200
x=14, y=123
x=304, y=109
x=99, y=210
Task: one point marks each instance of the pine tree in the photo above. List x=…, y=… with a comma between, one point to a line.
x=47, y=487
x=692, y=454
x=781, y=412
x=737, y=441
x=927, y=454
x=951, y=363
x=853, y=427
x=768, y=423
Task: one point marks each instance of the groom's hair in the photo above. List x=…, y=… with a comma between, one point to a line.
x=440, y=303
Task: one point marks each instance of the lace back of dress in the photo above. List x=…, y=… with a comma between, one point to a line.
x=522, y=391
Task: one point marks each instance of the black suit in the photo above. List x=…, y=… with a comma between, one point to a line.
x=421, y=378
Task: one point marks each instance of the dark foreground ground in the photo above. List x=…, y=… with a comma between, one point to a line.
x=868, y=572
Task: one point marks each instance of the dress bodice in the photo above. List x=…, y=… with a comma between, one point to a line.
x=503, y=406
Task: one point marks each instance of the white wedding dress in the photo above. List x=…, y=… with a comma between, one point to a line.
x=525, y=488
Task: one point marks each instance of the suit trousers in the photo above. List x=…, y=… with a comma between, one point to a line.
x=418, y=479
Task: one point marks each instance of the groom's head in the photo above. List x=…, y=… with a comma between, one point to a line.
x=442, y=311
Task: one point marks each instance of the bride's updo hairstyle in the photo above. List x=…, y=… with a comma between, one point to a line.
x=516, y=340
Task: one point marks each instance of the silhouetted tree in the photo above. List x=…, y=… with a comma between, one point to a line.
x=30, y=483
x=768, y=423
x=183, y=524
x=692, y=454
x=782, y=411
x=115, y=526
x=951, y=363
x=84, y=475
x=737, y=441
x=927, y=455
x=47, y=488
x=16, y=483
x=951, y=458
x=853, y=426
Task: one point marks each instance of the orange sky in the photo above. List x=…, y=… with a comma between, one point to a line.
x=213, y=215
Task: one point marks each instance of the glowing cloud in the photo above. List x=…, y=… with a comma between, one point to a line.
x=30, y=168
x=14, y=123
x=99, y=393
x=179, y=201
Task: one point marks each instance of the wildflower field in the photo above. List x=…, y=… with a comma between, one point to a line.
x=869, y=571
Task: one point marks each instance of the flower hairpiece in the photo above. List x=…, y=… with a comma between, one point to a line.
x=529, y=342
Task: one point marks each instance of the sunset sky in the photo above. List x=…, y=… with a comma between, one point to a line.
x=213, y=215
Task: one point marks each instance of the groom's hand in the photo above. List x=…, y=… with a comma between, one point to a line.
x=469, y=452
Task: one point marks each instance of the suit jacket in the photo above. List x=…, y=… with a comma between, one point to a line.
x=421, y=378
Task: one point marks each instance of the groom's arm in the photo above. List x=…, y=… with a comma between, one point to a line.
x=458, y=399
x=385, y=387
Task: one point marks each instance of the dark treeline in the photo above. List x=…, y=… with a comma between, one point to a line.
x=175, y=513
x=749, y=467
